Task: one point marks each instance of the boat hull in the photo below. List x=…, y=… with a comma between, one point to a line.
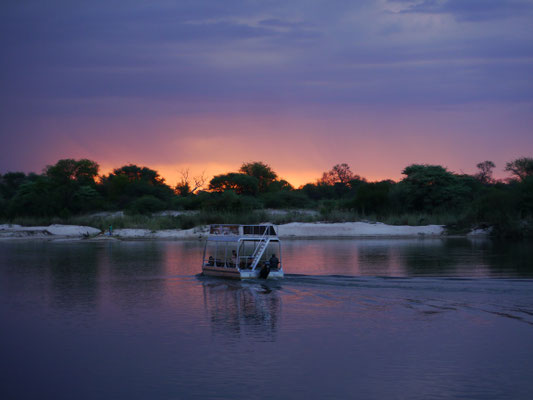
x=234, y=273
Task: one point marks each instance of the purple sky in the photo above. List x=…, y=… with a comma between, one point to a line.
x=301, y=85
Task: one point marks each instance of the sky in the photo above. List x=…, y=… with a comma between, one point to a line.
x=301, y=85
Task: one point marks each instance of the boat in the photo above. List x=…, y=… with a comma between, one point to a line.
x=243, y=252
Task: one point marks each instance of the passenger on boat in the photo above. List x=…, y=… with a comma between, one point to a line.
x=210, y=261
x=273, y=262
x=233, y=259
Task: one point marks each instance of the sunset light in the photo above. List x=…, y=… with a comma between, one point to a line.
x=265, y=199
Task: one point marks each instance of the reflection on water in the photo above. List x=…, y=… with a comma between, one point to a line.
x=409, y=257
x=241, y=309
x=380, y=319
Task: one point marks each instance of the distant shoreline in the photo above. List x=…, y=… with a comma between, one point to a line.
x=293, y=230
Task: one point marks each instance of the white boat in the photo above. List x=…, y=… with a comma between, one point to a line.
x=243, y=252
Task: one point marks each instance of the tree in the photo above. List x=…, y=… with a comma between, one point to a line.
x=68, y=170
x=135, y=173
x=146, y=205
x=37, y=198
x=340, y=173
x=10, y=182
x=86, y=198
x=130, y=182
x=520, y=168
x=280, y=185
x=185, y=187
x=67, y=178
x=485, y=172
x=373, y=197
x=239, y=183
x=261, y=171
x=429, y=188
x=230, y=201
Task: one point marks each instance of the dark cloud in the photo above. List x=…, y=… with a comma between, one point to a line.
x=299, y=51
x=473, y=10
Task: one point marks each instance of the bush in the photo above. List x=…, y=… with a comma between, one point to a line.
x=370, y=198
x=146, y=205
x=190, y=202
x=230, y=201
x=286, y=199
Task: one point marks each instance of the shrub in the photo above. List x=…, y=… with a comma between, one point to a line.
x=146, y=205
x=286, y=199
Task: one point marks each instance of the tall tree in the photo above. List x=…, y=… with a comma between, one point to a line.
x=72, y=184
x=520, y=168
x=10, y=182
x=340, y=173
x=484, y=174
x=432, y=188
x=261, y=171
x=135, y=173
x=239, y=183
x=67, y=170
x=130, y=182
x=188, y=185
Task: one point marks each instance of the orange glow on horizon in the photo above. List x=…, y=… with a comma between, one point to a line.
x=172, y=173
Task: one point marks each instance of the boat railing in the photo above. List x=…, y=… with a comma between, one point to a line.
x=244, y=231
x=260, y=249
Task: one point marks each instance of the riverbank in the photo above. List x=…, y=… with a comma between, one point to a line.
x=295, y=230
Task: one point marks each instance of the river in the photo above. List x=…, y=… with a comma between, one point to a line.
x=368, y=319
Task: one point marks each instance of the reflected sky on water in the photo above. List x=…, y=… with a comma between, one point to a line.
x=377, y=318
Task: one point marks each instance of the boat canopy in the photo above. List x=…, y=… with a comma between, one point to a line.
x=241, y=247
x=244, y=231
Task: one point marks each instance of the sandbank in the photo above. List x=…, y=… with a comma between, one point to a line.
x=294, y=230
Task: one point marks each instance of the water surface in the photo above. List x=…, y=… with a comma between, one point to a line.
x=366, y=319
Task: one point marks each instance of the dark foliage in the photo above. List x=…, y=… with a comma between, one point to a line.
x=72, y=187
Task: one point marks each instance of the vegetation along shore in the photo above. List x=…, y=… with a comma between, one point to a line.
x=71, y=192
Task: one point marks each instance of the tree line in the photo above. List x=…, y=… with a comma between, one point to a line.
x=73, y=187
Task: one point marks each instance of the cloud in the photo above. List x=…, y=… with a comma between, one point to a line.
x=273, y=51
x=472, y=10
x=115, y=71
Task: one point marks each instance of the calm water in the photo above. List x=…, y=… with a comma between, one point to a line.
x=368, y=319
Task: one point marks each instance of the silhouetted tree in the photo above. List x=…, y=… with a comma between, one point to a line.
x=340, y=173
x=72, y=185
x=146, y=205
x=279, y=185
x=262, y=172
x=239, y=183
x=10, y=182
x=520, y=168
x=230, y=201
x=38, y=197
x=341, y=179
x=319, y=191
x=373, y=197
x=188, y=185
x=134, y=173
x=130, y=182
x=485, y=172
x=431, y=188
x=68, y=170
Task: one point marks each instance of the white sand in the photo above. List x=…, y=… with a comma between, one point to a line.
x=72, y=230
x=132, y=233
x=194, y=233
x=293, y=230
x=299, y=230
x=53, y=231
x=355, y=229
